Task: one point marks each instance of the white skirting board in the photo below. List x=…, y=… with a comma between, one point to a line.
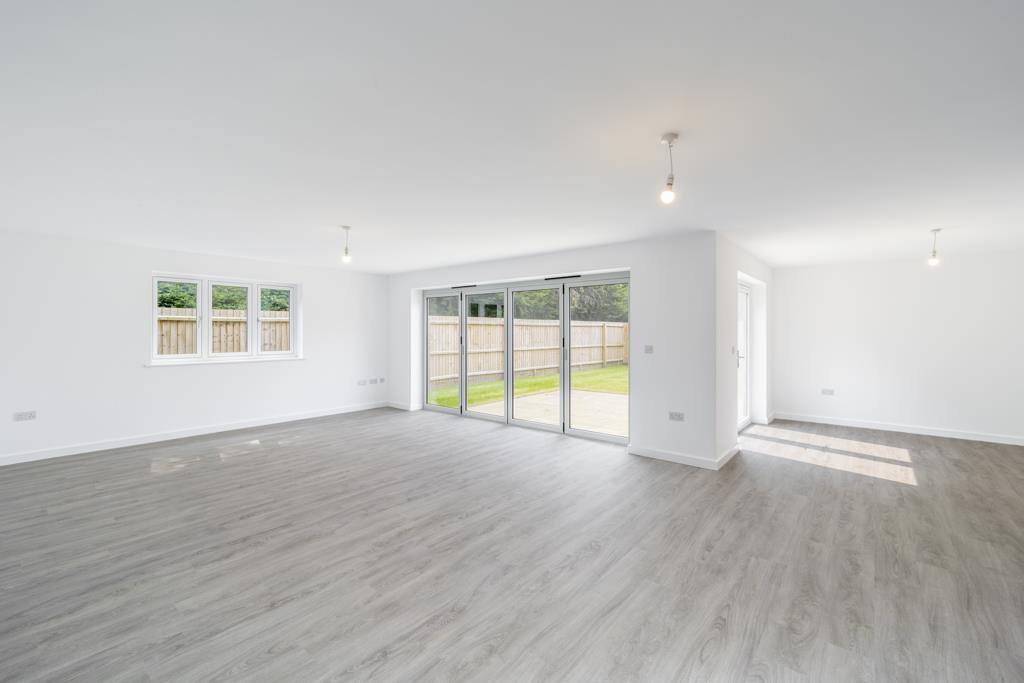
x=906, y=429
x=140, y=439
x=684, y=458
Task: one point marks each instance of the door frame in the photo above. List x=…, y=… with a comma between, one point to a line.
x=744, y=421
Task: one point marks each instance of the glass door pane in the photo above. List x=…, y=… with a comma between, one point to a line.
x=443, y=358
x=537, y=355
x=599, y=358
x=742, y=344
x=485, y=353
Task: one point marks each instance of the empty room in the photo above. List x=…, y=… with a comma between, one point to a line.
x=559, y=341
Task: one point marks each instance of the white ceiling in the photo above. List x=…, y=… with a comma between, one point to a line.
x=453, y=132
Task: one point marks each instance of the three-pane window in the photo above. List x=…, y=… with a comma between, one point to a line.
x=208, y=319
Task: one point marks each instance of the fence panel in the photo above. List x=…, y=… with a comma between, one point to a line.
x=537, y=345
x=485, y=349
x=443, y=348
x=229, y=331
x=275, y=331
x=176, y=331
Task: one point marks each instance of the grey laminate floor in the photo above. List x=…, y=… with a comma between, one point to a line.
x=419, y=546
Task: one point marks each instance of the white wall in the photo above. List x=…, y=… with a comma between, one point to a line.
x=74, y=344
x=672, y=307
x=730, y=262
x=904, y=346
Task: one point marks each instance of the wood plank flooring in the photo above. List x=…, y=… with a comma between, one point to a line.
x=397, y=546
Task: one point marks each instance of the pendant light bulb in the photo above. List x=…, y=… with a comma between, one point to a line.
x=934, y=259
x=346, y=257
x=668, y=195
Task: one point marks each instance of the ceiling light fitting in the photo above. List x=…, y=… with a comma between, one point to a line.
x=668, y=195
x=346, y=257
x=934, y=259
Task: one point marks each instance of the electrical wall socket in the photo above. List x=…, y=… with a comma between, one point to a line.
x=677, y=417
x=361, y=382
x=382, y=380
x=25, y=416
x=373, y=380
x=648, y=348
x=828, y=392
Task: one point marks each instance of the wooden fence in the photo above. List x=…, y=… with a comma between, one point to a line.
x=537, y=345
x=229, y=331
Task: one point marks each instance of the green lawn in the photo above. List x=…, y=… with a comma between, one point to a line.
x=613, y=380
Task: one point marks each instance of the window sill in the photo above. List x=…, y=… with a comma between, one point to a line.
x=218, y=361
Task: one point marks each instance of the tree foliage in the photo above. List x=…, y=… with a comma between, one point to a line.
x=275, y=299
x=536, y=304
x=176, y=294
x=230, y=297
x=608, y=303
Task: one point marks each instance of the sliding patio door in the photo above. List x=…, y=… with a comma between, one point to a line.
x=537, y=356
x=598, y=397
x=484, y=335
x=548, y=354
x=443, y=352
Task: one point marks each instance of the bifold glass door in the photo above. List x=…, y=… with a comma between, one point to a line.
x=553, y=355
x=599, y=358
x=444, y=354
x=537, y=356
x=485, y=353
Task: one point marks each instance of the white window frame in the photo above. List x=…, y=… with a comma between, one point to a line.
x=210, y=284
x=155, y=329
x=204, y=324
x=292, y=327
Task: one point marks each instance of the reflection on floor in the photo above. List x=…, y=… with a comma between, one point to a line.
x=420, y=546
x=595, y=411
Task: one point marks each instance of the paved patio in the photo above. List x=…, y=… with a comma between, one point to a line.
x=594, y=411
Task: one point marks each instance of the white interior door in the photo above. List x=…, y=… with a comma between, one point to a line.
x=742, y=356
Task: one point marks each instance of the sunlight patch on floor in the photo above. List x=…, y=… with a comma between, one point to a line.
x=875, y=450
x=900, y=474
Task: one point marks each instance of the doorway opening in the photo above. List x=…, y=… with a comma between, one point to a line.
x=752, y=404
x=743, y=355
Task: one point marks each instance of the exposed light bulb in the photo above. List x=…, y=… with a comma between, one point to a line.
x=668, y=195
x=934, y=259
x=345, y=256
